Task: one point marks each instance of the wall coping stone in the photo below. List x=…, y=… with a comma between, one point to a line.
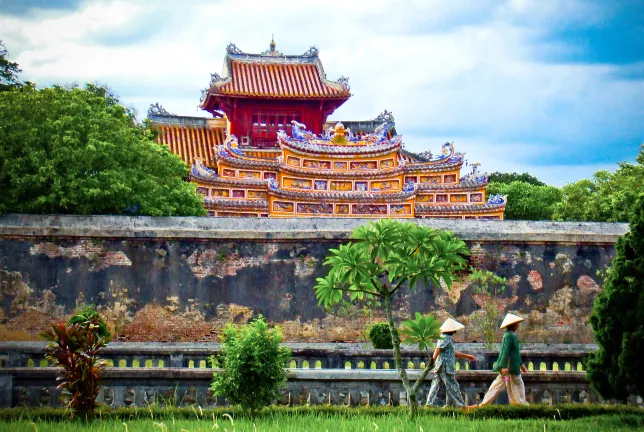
x=294, y=229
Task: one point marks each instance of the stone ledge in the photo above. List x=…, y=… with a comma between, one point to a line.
x=346, y=349
x=206, y=228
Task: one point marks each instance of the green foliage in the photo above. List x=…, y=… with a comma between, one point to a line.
x=8, y=71
x=615, y=369
x=527, y=201
x=78, y=151
x=75, y=348
x=380, y=336
x=252, y=362
x=489, y=286
x=507, y=178
x=608, y=196
x=421, y=331
x=387, y=254
x=88, y=314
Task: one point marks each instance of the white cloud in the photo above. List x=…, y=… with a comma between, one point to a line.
x=463, y=69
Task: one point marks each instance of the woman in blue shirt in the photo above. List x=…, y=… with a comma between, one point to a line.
x=445, y=366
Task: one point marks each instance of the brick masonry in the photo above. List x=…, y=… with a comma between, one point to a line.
x=183, y=279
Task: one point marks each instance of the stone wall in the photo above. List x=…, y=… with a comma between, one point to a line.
x=183, y=279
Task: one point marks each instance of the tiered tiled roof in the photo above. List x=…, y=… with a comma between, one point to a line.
x=274, y=75
x=288, y=80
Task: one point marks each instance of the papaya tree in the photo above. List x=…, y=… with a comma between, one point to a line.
x=383, y=258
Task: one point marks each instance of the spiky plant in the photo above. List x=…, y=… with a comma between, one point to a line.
x=75, y=348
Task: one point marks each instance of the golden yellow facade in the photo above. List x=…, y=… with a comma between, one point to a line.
x=339, y=175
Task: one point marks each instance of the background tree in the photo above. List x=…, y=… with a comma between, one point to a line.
x=382, y=258
x=615, y=369
x=8, y=71
x=608, y=196
x=527, y=201
x=499, y=177
x=252, y=363
x=79, y=151
x=488, y=287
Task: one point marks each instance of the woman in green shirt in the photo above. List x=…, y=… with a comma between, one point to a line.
x=509, y=366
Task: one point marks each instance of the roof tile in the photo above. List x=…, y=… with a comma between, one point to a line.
x=278, y=80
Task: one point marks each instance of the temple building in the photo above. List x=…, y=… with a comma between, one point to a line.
x=270, y=151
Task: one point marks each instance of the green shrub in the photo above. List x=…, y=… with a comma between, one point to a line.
x=253, y=365
x=87, y=314
x=380, y=336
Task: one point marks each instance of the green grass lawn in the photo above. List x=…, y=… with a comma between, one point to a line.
x=336, y=423
x=281, y=422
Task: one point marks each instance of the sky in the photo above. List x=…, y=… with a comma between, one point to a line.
x=550, y=87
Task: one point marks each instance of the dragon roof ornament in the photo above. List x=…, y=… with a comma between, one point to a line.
x=313, y=51
x=157, y=110
x=385, y=116
x=497, y=199
x=344, y=82
x=200, y=171
x=232, y=49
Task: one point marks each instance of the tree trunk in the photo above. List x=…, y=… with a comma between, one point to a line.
x=395, y=340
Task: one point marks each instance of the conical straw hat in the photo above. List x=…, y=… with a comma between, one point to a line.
x=510, y=319
x=451, y=325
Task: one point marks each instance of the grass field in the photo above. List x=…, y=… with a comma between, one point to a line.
x=332, y=423
x=327, y=418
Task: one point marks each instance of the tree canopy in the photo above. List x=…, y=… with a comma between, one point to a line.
x=499, y=177
x=79, y=151
x=8, y=71
x=615, y=369
x=607, y=197
x=527, y=201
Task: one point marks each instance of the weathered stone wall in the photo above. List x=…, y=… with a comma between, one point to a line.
x=182, y=279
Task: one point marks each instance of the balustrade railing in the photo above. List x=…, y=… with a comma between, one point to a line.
x=128, y=387
x=305, y=356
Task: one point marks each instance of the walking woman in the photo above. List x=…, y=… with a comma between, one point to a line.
x=445, y=366
x=509, y=366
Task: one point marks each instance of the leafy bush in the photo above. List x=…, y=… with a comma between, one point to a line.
x=89, y=313
x=75, y=347
x=380, y=336
x=253, y=365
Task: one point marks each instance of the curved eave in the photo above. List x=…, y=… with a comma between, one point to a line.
x=366, y=174
x=318, y=150
x=235, y=203
x=229, y=182
x=247, y=163
x=465, y=186
x=433, y=167
x=343, y=196
x=442, y=209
